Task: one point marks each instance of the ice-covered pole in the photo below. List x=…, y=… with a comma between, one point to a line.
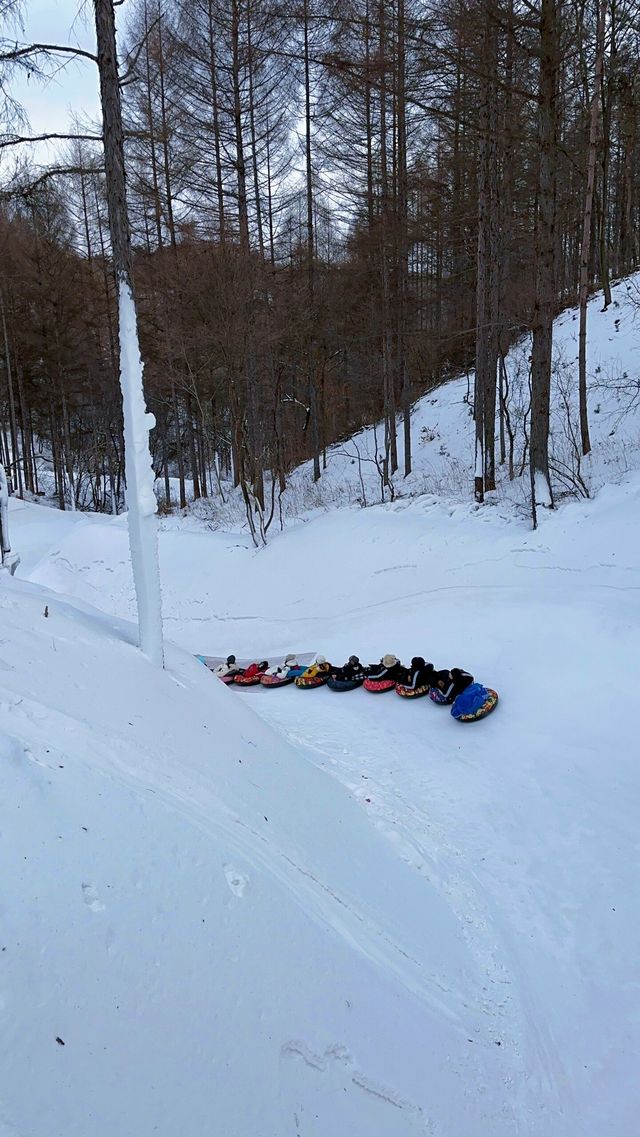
x=5, y=546
x=140, y=496
x=8, y=560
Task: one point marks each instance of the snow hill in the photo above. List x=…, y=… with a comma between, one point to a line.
x=443, y=431
x=291, y=914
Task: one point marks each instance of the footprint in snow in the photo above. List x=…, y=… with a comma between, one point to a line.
x=237, y=881
x=91, y=898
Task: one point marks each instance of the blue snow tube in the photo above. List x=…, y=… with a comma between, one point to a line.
x=470, y=701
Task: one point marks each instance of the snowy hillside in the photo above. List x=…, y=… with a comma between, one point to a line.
x=442, y=422
x=443, y=431
x=297, y=914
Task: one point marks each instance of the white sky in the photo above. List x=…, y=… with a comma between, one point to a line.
x=74, y=89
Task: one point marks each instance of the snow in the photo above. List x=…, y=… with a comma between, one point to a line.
x=139, y=495
x=285, y=912
x=541, y=489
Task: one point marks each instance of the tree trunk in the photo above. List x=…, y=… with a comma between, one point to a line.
x=254, y=149
x=16, y=457
x=311, y=370
x=140, y=495
x=403, y=240
x=607, y=100
x=213, y=77
x=179, y=450
x=585, y=248
x=241, y=173
x=544, y=256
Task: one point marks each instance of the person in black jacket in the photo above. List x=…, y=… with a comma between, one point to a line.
x=419, y=674
x=452, y=683
x=389, y=667
x=353, y=669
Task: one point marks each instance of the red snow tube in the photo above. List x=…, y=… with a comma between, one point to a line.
x=252, y=676
x=377, y=686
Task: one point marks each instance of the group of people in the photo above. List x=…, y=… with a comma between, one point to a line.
x=453, y=686
x=419, y=677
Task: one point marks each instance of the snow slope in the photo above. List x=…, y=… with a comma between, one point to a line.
x=442, y=422
x=271, y=913
x=199, y=927
x=443, y=432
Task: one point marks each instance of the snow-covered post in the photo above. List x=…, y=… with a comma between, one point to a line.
x=7, y=560
x=140, y=497
x=5, y=546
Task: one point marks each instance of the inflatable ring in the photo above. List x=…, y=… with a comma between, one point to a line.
x=412, y=692
x=377, y=686
x=487, y=707
x=276, y=680
x=436, y=695
x=344, y=684
x=308, y=681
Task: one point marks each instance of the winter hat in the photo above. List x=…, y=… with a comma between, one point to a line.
x=320, y=659
x=389, y=660
x=353, y=660
x=289, y=658
x=230, y=659
x=417, y=661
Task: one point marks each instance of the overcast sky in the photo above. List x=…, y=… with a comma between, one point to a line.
x=74, y=89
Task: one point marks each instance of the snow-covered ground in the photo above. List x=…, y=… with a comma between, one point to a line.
x=294, y=914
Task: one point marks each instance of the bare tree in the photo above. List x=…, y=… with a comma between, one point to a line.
x=595, y=129
x=545, y=247
x=140, y=494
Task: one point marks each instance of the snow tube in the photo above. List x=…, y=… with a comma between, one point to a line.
x=276, y=680
x=252, y=676
x=377, y=686
x=343, y=684
x=438, y=697
x=315, y=676
x=474, y=703
x=412, y=692
x=230, y=678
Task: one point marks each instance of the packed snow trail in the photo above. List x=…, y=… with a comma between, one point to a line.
x=511, y=929
x=197, y=920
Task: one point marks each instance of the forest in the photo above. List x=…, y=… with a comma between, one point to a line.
x=332, y=209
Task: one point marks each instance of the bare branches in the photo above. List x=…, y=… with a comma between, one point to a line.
x=26, y=189
x=132, y=58
x=23, y=52
x=19, y=140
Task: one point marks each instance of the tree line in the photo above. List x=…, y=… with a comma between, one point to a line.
x=332, y=207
